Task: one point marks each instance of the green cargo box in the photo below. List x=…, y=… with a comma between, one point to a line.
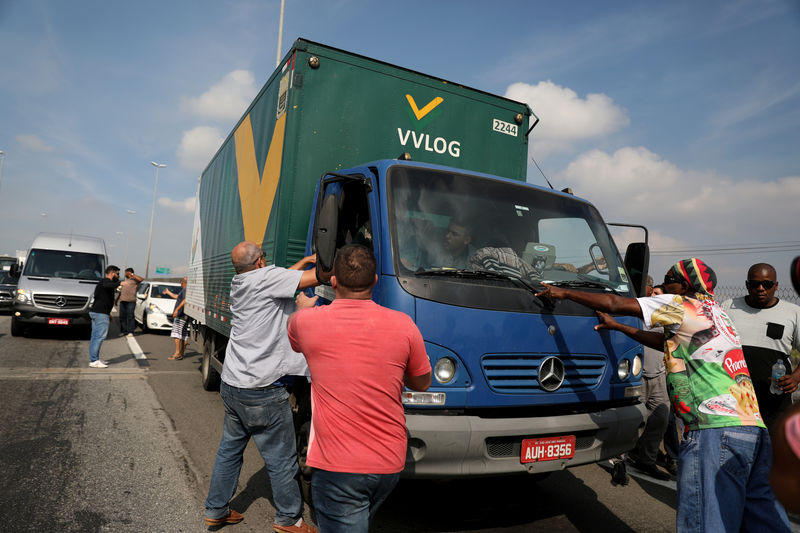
x=322, y=110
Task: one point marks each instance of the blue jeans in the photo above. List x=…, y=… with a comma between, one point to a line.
x=265, y=415
x=346, y=502
x=723, y=482
x=126, y=321
x=100, y=323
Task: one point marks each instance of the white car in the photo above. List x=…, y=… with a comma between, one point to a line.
x=153, y=306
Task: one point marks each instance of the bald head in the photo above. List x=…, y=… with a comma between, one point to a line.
x=245, y=256
x=764, y=269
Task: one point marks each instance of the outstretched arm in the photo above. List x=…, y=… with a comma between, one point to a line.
x=609, y=303
x=651, y=339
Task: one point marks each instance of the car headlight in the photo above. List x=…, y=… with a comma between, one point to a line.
x=22, y=296
x=444, y=370
x=624, y=369
x=155, y=309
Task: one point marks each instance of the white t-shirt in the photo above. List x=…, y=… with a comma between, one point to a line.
x=259, y=352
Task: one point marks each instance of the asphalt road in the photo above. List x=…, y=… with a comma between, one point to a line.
x=131, y=448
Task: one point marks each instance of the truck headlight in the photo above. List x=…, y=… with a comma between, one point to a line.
x=444, y=370
x=22, y=296
x=624, y=369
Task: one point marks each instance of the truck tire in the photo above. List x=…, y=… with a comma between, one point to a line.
x=302, y=455
x=17, y=330
x=208, y=374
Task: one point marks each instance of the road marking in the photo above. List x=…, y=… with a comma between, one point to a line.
x=136, y=350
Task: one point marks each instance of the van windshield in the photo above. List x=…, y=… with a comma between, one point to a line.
x=448, y=226
x=62, y=264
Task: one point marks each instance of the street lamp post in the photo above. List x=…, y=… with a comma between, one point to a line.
x=152, y=215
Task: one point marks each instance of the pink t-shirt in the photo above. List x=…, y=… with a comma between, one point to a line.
x=358, y=352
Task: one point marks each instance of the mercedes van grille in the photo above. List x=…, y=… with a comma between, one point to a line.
x=59, y=301
x=519, y=373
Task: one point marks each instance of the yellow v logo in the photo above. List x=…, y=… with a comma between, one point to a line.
x=257, y=193
x=420, y=113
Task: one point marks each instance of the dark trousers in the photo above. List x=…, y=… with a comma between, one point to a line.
x=126, y=321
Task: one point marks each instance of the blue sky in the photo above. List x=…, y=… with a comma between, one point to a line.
x=682, y=116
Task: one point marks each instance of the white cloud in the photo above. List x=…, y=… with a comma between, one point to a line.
x=227, y=99
x=198, y=146
x=182, y=207
x=33, y=143
x=565, y=117
x=702, y=208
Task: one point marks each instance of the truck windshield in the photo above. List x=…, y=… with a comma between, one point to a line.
x=449, y=227
x=62, y=264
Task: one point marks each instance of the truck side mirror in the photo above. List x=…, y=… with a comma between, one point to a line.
x=14, y=270
x=637, y=262
x=325, y=231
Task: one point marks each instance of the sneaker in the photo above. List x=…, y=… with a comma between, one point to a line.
x=129, y=335
x=619, y=474
x=98, y=364
x=304, y=527
x=231, y=518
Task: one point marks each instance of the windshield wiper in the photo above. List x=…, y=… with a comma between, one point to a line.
x=486, y=274
x=584, y=284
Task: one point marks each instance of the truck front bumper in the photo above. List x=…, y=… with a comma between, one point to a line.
x=443, y=446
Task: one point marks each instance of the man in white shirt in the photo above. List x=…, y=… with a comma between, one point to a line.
x=257, y=358
x=769, y=328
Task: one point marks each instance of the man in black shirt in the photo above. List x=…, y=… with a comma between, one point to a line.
x=100, y=312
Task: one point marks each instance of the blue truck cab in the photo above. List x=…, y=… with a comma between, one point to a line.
x=519, y=384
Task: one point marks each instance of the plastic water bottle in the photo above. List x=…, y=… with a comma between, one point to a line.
x=778, y=371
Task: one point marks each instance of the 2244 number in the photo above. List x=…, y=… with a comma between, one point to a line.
x=505, y=127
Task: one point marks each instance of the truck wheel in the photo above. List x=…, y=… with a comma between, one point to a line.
x=16, y=328
x=302, y=455
x=208, y=374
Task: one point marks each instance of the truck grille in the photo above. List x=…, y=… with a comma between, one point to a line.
x=59, y=301
x=519, y=373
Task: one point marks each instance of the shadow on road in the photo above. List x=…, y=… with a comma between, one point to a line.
x=489, y=504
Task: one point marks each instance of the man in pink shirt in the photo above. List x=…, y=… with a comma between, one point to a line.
x=360, y=355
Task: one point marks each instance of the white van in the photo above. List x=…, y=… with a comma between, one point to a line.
x=57, y=282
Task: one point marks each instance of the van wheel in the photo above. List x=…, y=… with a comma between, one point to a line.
x=17, y=329
x=302, y=455
x=208, y=374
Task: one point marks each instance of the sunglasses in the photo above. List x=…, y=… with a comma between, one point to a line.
x=767, y=284
x=668, y=279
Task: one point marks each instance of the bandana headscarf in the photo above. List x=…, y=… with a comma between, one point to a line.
x=697, y=274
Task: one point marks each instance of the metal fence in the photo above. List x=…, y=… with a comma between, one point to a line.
x=723, y=292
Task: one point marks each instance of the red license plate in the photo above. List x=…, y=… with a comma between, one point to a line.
x=58, y=321
x=547, y=449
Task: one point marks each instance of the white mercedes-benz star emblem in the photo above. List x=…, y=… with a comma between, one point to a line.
x=551, y=374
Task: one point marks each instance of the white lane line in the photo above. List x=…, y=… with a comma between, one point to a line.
x=136, y=350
